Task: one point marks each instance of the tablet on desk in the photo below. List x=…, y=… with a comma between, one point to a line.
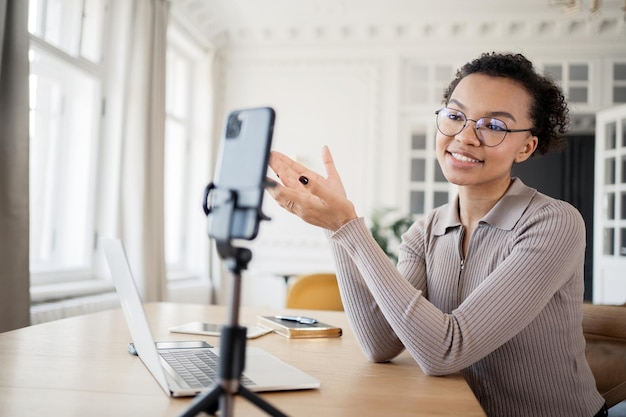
x=214, y=329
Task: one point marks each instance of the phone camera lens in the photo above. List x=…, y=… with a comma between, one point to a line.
x=233, y=126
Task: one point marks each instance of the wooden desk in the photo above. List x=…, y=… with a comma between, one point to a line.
x=80, y=367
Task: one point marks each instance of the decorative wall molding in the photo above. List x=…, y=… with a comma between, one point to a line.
x=336, y=25
x=561, y=30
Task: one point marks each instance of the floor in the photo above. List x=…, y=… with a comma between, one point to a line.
x=618, y=410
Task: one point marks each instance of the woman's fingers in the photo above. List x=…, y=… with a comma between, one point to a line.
x=285, y=197
x=329, y=163
x=298, y=202
x=286, y=168
x=316, y=199
x=291, y=173
x=296, y=176
x=331, y=171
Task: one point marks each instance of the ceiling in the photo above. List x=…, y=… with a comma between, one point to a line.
x=217, y=19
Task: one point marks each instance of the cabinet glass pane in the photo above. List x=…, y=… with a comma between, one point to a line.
x=441, y=198
x=417, y=202
x=624, y=133
x=619, y=95
x=623, y=209
x=554, y=71
x=622, y=242
x=608, y=242
x=578, y=72
x=610, y=139
x=439, y=177
x=609, y=206
x=619, y=71
x=443, y=75
x=609, y=171
x=418, y=141
x=577, y=94
x=418, y=170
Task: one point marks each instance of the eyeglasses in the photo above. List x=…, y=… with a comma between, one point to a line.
x=489, y=131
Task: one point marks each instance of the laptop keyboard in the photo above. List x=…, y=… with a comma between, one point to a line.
x=198, y=368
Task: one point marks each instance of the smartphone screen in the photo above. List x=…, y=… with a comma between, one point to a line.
x=240, y=175
x=196, y=327
x=213, y=329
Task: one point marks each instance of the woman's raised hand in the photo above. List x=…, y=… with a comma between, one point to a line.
x=318, y=200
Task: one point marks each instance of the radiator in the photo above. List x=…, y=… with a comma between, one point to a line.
x=41, y=313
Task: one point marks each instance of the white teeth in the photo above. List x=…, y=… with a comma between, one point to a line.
x=463, y=158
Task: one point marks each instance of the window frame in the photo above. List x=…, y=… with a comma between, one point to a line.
x=47, y=284
x=42, y=277
x=195, y=263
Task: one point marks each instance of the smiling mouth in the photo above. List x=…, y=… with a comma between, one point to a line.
x=463, y=158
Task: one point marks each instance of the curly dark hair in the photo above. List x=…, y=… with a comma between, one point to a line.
x=548, y=111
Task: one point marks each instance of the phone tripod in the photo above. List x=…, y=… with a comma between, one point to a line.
x=232, y=340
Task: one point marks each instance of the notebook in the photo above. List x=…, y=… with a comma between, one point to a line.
x=293, y=328
x=263, y=372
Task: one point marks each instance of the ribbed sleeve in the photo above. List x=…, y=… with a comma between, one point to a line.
x=508, y=316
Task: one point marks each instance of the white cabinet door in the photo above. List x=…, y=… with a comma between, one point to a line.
x=609, y=279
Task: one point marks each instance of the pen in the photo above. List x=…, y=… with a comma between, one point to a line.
x=297, y=319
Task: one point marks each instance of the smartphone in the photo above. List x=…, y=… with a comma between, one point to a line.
x=174, y=344
x=214, y=329
x=240, y=175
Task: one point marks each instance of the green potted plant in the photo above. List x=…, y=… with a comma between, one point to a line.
x=387, y=230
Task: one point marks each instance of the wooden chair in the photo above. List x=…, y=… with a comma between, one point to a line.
x=314, y=292
x=604, y=327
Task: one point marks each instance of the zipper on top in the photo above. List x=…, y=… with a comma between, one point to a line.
x=462, y=266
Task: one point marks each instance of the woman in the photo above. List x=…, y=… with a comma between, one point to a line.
x=490, y=285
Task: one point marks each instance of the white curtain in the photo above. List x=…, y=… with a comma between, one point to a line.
x=141, y=225
x=14, y=199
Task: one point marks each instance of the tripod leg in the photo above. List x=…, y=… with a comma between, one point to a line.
x=232, y=350
x=208, y=403
x=260, y=402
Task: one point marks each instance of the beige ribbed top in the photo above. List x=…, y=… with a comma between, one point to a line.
x=508, y=316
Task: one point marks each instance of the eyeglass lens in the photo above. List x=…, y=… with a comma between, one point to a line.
x=489, y=131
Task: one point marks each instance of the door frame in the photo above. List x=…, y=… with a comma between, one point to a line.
x=609, y=279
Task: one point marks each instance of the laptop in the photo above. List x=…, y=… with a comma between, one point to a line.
x=263, y=372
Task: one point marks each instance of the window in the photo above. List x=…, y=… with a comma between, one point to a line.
x=424, y=83
x=72, y=26
x=187, y=154
x=77, y=107
x=428, y=187
x=613, y=213
x=421, y=94
x=64, y=121
x=65, y=109
x=177, y=143
x=619, y=83
x=574, y=78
